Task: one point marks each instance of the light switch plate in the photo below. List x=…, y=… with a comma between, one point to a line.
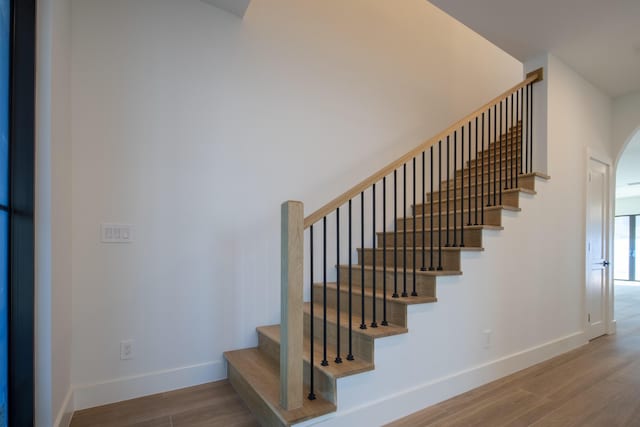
x=116, y=233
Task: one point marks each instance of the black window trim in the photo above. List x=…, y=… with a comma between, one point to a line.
x=21, y=213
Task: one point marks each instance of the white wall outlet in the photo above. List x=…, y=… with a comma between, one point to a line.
x=126, y=350
x=487, y=338
x=116, y=233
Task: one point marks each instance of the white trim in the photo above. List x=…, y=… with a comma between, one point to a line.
x=124, y=388
x=416, y=398
x=66, y=411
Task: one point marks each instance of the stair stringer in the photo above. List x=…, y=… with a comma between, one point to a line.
x=507, y=288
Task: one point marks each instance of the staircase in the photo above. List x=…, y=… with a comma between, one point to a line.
x=417, y=240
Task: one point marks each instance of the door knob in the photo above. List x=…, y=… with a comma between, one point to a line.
x=605, y=263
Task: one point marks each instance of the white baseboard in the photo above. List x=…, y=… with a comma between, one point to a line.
x=116, y=390
x=419, y=397
x=66, y=412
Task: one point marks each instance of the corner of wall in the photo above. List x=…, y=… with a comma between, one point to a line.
x=63, y=419
x=131, y=387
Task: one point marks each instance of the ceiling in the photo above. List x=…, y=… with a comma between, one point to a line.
x=237, y=7
x=600, y=39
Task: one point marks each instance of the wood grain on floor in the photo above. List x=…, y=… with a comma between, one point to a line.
x=595, y=385
x=212, y=405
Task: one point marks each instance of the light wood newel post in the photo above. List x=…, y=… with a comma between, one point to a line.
x=291, y=317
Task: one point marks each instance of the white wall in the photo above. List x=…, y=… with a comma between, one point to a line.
x=194, y=126
x=626, y=120
x=53, y=215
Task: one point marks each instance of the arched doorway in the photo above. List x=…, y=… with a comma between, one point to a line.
x=626, y=253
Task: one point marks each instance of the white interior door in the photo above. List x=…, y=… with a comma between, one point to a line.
x=597, y=248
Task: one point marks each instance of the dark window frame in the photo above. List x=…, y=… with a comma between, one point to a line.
x=21, y=213
x=631, y=259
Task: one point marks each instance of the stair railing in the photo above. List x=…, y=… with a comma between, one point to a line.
x=479, y=157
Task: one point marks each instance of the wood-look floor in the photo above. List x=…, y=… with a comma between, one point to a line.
x=596, y=385
x=212, y=405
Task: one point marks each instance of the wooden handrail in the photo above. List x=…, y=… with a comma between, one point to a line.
x=532, y=77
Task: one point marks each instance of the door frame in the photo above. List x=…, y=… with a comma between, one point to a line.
x=598, y=156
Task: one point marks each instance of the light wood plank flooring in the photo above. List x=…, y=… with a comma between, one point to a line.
x=596, y=385
x=212, y=405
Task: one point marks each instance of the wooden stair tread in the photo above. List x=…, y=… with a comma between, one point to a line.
x=520, y=176
x=444, y=228
x=464, y=183
x=487, y=208
x=465, y=171
x=410, y=300
x=410, y=271
x=335, y=370
x=473, y=196
x=427, y=248
x=263, y=375
x=379, y=332
x=504, y=157
x=541, y=175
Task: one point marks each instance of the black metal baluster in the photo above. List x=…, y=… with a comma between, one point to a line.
x=477, y=168
x=431, y=268
x=404, y=216
x=519, y=124
x=338, y=358
x=462, y=188
x=488, y=161
x=525, y=131
x=505, y=131
x=531, y=128
x=350, y=355
x=384, y=252
x=413, y=276
x=507, y=154
x=500, y=157
x=324, y=292
x=514, y=152
x=423, y=267
x=448, y=185
x=312, y=395
x=487, y=154
x=363, y=324
x=374, y=324
x=483, y=156
x=469, y=178
x=495, y=160
x=455, y=190
x=439, y=204
x=395, y=235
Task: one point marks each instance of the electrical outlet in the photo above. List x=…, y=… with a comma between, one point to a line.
x=487, y=338
x=126, y=350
